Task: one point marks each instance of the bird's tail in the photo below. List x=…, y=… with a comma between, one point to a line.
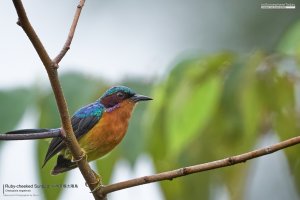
x=63, y=165
x=31, y=134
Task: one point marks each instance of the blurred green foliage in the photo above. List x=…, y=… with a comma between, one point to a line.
x=13, y=105
x=216, y=106
x=290, y=43
x=207, y=107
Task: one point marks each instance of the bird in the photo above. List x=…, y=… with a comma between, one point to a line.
x=99, y=127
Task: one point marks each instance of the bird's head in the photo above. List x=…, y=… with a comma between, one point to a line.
x=118, y=94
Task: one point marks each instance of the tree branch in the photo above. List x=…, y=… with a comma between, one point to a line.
x=67, y=44
x=31, y=136
x=67, y=131
x=70, y=138
x=169, y=175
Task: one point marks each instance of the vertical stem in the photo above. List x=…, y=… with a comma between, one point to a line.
x=68, y=135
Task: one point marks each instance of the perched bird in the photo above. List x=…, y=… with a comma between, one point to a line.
x=98, y=127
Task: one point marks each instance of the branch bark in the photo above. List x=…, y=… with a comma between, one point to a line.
x=51, y=69
x=68, y=42
x=32, y=136
x=169, y=175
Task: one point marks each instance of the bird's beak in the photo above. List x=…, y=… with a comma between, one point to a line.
x=138, y=97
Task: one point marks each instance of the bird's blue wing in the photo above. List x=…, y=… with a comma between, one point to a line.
x=85, y=118
x=82, y=121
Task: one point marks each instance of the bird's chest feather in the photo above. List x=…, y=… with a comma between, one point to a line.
x=109, y=131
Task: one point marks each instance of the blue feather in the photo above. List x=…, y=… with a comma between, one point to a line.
x=95, y=109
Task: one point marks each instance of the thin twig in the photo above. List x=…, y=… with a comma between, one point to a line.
x=31, y=136
x=169, y=175
x=70, y=138
x=67, y=44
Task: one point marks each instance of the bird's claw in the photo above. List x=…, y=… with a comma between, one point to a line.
x=97, y=183
x=98, y=186
x=83, y=155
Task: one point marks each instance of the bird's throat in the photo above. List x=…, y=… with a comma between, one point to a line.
x=113, y=108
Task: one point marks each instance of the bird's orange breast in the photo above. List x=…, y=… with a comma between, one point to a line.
x=108, y=132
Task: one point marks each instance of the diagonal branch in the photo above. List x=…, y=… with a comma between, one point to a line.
x=169, y=175
x=67, y=44
x=67, y=130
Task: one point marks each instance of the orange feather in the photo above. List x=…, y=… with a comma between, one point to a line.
x=108, y=132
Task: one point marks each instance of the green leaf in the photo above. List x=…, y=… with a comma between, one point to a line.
x=184, y=104
x=286, y=117
x=251, y=106
x=194, y=98
x=290, y=43
x=186, y=116
x=196, y=186
x=294, y=164
x=13, y=104
x=155, y=127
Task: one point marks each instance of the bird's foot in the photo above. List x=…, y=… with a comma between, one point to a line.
x=82, y=156
x=98, y=183
x=98, y=186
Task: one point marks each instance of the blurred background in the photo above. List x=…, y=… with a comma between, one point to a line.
x=224, y=77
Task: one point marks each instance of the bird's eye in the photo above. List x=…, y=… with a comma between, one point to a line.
x=120, y=95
